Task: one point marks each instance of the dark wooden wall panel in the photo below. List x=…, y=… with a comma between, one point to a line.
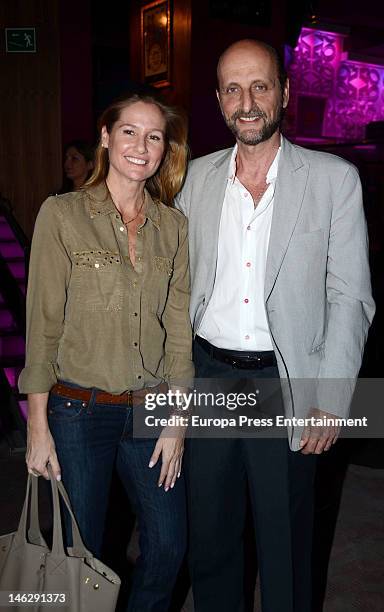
x=210, y=36
x=182, y=19
x=30, y=123
x=179, y=91
x=77, y=120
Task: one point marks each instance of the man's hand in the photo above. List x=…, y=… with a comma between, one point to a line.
x=318, y=438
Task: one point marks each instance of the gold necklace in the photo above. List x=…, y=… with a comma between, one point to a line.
x=139, y=211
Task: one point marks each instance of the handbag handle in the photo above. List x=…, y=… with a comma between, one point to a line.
x=34, y=533
x=78, y=548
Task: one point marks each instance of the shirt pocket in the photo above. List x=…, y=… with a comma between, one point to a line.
x=163, y=264
x=162, y=271
x=97, y=282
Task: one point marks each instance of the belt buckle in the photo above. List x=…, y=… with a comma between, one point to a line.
x=253, y=363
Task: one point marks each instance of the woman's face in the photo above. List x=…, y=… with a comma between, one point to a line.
x=136, y=143
x=76, y=167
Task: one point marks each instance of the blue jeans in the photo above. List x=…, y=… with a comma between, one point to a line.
x=90, y=440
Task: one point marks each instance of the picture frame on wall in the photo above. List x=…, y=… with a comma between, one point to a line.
x=156, y=43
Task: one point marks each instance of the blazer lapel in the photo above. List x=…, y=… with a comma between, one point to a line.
x=290, y=187
x=214, y=193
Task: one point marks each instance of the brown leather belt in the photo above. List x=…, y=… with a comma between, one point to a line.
x=131, y=398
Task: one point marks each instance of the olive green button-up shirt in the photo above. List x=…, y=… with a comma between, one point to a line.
x=93, y=319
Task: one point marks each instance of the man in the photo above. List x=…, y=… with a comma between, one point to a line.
x=280, y=287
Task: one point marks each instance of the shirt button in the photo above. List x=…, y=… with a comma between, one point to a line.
x=248, y=227
x=138, y=258
x=246, y=302
x=139, y=376
x=245, y=194
x=135, y=314
x=135, y=344
x=246, y=337
x=122, y=228
x=97, y=265
x=248, y=264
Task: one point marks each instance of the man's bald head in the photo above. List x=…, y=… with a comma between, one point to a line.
x=249, y=45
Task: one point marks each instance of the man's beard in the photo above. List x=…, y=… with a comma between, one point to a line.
x=254, y=136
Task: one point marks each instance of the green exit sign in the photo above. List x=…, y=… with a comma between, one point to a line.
x=20, y=40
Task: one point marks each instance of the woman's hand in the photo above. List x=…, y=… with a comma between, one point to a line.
x=171, y=445
x=40, y=445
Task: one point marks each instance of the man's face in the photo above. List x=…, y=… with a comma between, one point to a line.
x=249, y=94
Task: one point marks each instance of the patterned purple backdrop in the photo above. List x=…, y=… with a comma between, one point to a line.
x=354, y=91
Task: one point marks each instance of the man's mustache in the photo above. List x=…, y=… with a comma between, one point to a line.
x=254, y=112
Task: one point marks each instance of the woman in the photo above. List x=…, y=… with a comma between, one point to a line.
x=78, y=165
x=108, y=321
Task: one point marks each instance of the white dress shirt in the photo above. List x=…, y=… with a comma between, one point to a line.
x=235, y=318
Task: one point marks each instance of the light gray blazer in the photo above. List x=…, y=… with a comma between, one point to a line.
x=317, y=287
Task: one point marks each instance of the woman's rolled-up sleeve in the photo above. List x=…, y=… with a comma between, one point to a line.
x=49, y=272
x=178, y=366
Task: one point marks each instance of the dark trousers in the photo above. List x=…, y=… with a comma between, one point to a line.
x=281, y=489
x=90, y=439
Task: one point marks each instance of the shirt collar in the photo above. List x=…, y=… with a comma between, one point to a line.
x=101, y=204
x=232, y=166
x=272, y=172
